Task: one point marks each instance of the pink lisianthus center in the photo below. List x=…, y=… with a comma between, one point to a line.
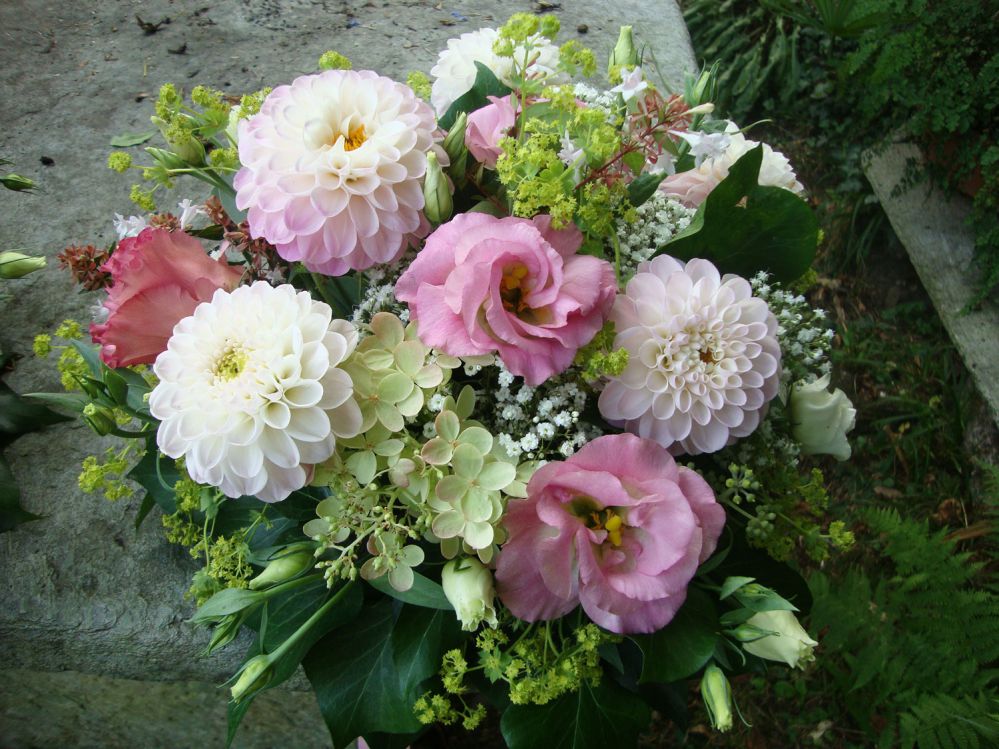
x=618, y=528
x=487, y=126
x=512, y=286
x=157, y=279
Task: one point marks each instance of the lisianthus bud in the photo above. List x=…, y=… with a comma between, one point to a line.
x=255, y=675
x=468, y=585
x=820, y=419
x=436, y=192
x=17, y=183
x=16, y=265
x=295, y=560
x=789, y=642
x=454, y=143
x=99, y=418
x=190, y=150
x=624, y=52
x=225, y=632
x=167, y=159
x=717, y=696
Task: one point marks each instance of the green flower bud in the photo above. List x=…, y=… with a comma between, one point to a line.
x=624, y=52
x=717, y=696
x=454, y=143
x=17, y=183
x=225, y=632
x=16, y=265
x=167, y=159
x=298, y=558
x=786, y=641
x=436, y=192
x=747, y=633
x=255, y=676
x=468, y=586
x=99, y=418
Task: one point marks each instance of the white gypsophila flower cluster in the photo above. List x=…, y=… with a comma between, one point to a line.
x=805, y=339
x=251, y=393
x=769, y=445
x=538, y=422
x=379, y=291
x=596, y=98
x=660, y=218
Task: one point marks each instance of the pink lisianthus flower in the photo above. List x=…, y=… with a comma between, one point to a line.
x=512, y=286
x=157, y=279
x=486, y=127
x=618, y=528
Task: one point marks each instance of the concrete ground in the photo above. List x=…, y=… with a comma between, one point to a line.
x=93, y=637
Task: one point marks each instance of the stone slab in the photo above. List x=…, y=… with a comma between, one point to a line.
x=92, y=611
x=940, y=244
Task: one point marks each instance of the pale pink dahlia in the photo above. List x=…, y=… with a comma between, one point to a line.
x=703, y=357
x=332, y=169
x=618, y=528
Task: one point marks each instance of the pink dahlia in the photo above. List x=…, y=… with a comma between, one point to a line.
x=703, y=357
x=618, y=528
x=157, y=279
x=332, y=169
x=508, y=285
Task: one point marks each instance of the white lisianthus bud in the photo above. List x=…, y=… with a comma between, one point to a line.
x=255, y=675
x=789, y=642
x=820, y=419
x=454, y=143
x=436, y=192
x=468, y=585
x=717, y=696
x=18, y=265
x=624, y=52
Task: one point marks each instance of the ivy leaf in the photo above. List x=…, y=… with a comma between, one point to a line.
x=425, y=592
x=148, y=476
x=644, y=187
x=18, y=416
x=486, y=84
x=590, y=718
x=419, y=640
x=357, y=678
x=743, y=227
x=131, y=139
x=682, y=646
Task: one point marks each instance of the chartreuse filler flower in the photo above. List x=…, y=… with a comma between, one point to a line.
x=481, y=383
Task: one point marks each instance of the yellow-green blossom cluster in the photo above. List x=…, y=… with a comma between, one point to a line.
x=108, y=476
x=599, y=358
x=420, y=83
x=331, y=60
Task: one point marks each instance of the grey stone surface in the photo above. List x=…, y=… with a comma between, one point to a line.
x=81, y=591
x=940, y=245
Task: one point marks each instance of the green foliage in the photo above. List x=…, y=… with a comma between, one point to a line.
x=914, y=643
x=682, y=647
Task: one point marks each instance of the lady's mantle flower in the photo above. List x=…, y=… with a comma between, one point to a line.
x=512, y=285
x=618, y=528
x=157, y=278
x=250, y=392
x=331, y=169
x=454, y=73
x=703, y=357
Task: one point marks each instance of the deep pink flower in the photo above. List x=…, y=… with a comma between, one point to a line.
x=508, y=285
x=618, y=528
x=486, y=126
x=157, y=279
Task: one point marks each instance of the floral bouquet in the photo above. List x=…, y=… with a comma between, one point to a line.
x=485, y=391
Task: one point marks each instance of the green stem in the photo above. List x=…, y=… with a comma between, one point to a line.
x=309, y=623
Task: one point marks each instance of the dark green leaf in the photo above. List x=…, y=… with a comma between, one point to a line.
x=684, y=645
x=354, y=676
x=131, y=139
x=744, y=228
x=732, y=584
x=18, y=416
x=486, y=84
x=91, y=355
x=75, y=402
x=419, y=640
x=145, y=474
x=225, y=602
x=592, y=718
x=11, y=512
x=148, y=503
x=644, y=187
x=425, y=592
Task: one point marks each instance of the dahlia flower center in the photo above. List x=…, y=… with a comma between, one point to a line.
x=598, y=518
x=353, y=139
x=231, y=363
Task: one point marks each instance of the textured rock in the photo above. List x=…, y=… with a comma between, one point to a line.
x=940, y=244
x=82, y=591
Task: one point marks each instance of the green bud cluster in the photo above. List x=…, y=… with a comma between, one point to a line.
x=108, y=476
x=119, y=161
x=420, y=83
x=331, y=60
x=599, y=358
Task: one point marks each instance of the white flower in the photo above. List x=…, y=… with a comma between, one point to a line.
x=790, y=643
x=820, y=419
x=704, y=145
x=631, y=84
x=468, y=586
x=703, y=357
x=454, y=73
x=189, y=212
x=129, y=227
x=250, y=392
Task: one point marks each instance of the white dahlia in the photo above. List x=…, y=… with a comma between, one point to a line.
x=250, y=392
x=703, y=357
x=332, y=167
x=454, y=73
